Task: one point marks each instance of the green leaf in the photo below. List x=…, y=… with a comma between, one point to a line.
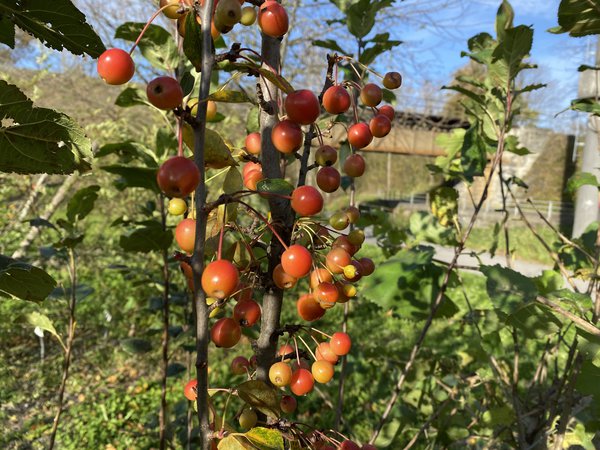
x=175, y=369
x=425, y=227
x=480, y=43
x=549, y=281
x=477, y=98
x=233, y=181
x=534, y=321
x=21, y=280
x=165, y=143
x=235, y=442
x=580, y=179
x=361, y=16
x=82, y=291
x=38, y=140
x=39, y=222
x=7, y=31
x=588, y=380
x=69, y=241
x=252, y=120
x=473, y=154
x=444, y=204
x=330, y=44
x=407, y=284
x=82, y=203
x=157, y=45
x=187, y=83
x=260, y=396
x=42, y=322
x=275, y=186
x=230, y=96
x=589, y=346
x=146, y=238
x=500, y=415
x=504, y=19
x=129, y=177
x=217, y=118
x=265, y=438
x=192, y=44
x=529, y=88
x=514, y=48
x=508, y=290
x=129, y=151
x=512, y=145
x=389, y=96
x=368, y=55
x=578, y=18
x=136, y=346
x=57, y=23
x=131, y=97
x=587, y=105
x=254, y=69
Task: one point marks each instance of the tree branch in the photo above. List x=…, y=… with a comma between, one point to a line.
x=202, y=325
x=283, y=217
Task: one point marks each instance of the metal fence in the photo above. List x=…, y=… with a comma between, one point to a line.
x=557, y=213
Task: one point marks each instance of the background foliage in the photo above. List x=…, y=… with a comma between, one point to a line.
x=498, y=369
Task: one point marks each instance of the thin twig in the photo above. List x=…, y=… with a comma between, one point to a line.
x=165, y=336
x=565, y=239
x=563, y=270
x=428, y=422
x=583, y=324
x=505, y=219
x=67, y=363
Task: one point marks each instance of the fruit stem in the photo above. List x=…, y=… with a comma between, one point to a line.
x=354, y=111
x=263, y=60
x=313, y=338
x=222, y=232
x=264, y=219
x=319, y=331
x=248, y=247
x=225, y=412
x=179, y=136
x=367, y=68
x=307, y=347
x=297, y=352
x=154, y=16
x=336, y=72
x=349, y=59
x=319, y=134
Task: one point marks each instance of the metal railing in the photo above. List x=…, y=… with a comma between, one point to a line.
x=555, y=212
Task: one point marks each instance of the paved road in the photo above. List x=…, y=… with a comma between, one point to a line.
x=529, y=269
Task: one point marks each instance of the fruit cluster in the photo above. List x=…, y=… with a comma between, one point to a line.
x=319, y=249
x=115, y=66
x=297, y=376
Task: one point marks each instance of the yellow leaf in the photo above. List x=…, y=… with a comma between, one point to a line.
x=217, y=154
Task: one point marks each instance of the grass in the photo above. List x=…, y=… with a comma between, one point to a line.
x=523, y=244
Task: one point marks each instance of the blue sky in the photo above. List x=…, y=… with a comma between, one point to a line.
x=434, y=38
x=558, y=56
